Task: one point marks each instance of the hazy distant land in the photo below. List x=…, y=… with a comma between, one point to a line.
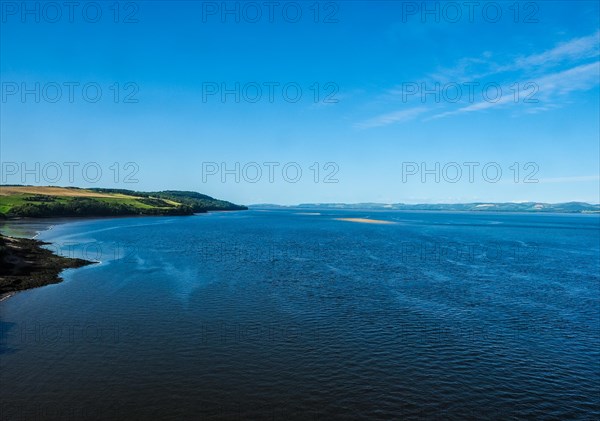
x=568, y=207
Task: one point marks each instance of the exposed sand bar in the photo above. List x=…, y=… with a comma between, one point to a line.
x=366, y=221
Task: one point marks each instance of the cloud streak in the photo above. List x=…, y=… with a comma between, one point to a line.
x=551, y=86
x=576, y=179
x=391, y=118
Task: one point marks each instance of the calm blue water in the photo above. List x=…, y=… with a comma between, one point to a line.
x=287, y=315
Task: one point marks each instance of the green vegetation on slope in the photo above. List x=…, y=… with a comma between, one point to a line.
x=197, y=201
x=40, y=202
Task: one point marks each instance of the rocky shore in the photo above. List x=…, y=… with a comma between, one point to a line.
x=25, y=264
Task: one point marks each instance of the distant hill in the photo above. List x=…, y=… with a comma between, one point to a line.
x=40, y=202
x=569, y=207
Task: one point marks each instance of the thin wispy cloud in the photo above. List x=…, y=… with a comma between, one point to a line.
x=549, y=87
x=482, y=105
x=473, y=68
x=576, y=179
x=579, y=78
x=540, y=69
x=576, y=49
x=390, y=118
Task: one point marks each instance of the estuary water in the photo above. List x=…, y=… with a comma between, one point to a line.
x=295, y=314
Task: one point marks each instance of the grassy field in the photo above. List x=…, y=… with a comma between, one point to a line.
x=34, y=201
x=54, y=191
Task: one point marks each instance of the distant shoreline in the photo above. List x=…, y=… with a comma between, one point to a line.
x=476, y=207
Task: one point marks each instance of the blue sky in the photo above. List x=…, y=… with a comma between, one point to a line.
x=515, y=92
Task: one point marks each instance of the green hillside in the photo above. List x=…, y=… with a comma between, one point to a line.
x=40, y=202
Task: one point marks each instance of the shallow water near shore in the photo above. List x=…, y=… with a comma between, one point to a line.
x=286, y=314
x=30, y=228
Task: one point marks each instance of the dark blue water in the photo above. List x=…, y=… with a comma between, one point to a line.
x=287, y=315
